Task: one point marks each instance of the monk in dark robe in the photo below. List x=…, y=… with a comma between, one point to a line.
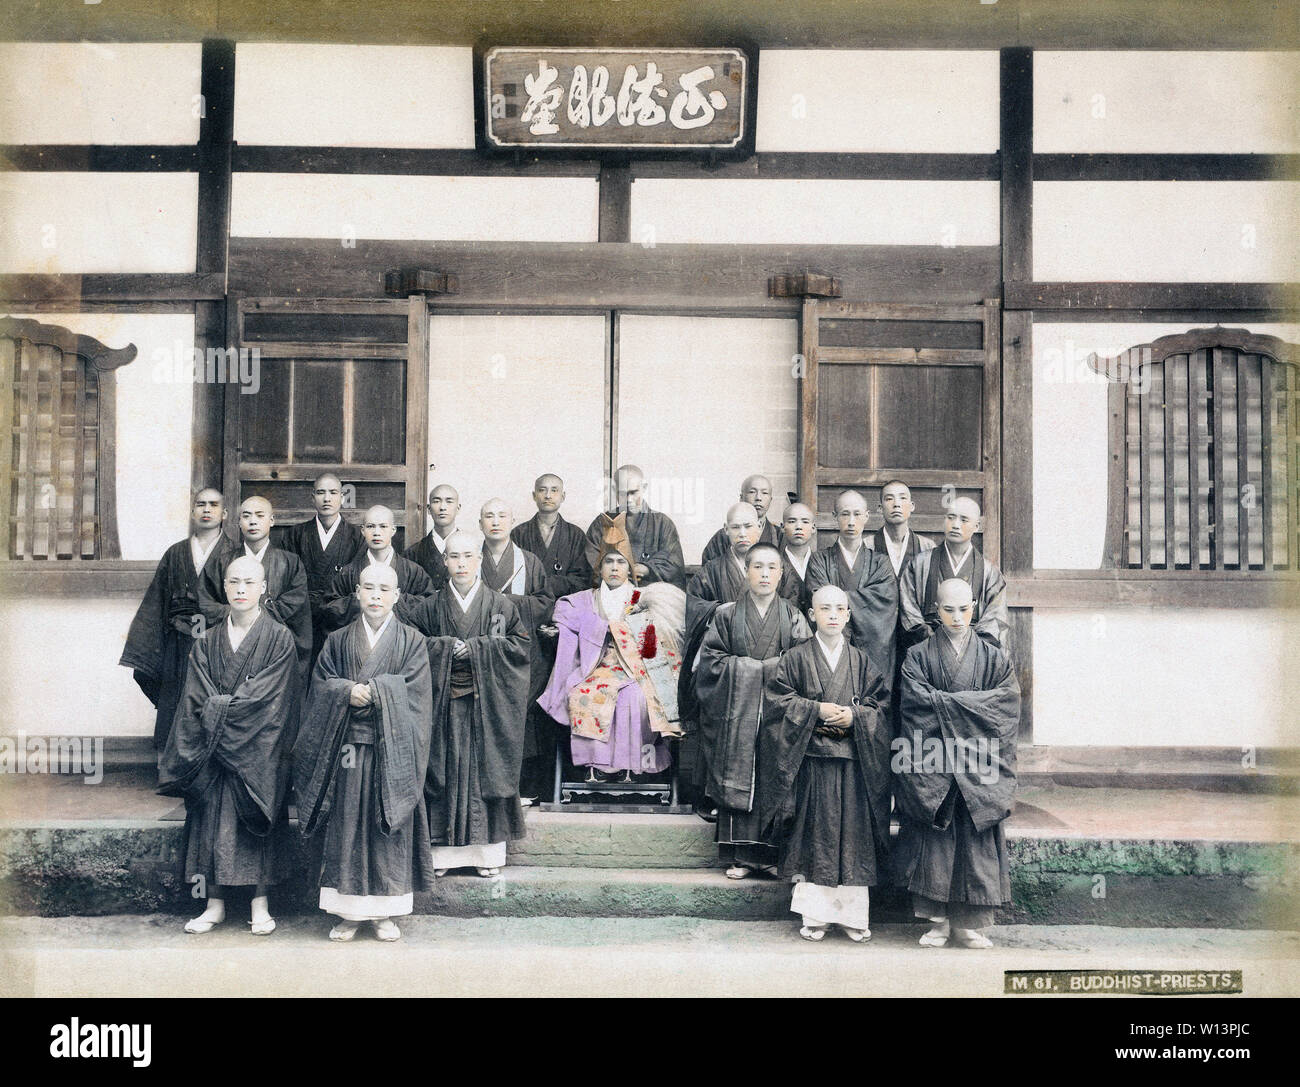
x=168, y=620
x=360, y=761
x=325, y=544
x=478, y=650
x=656, y=548
x=865, y=575
x=956, y=557
x=559, y=544
x=955, y=767
x=757, y=491
x=227, y=752
x=798, y=537
x=737, y=662
x=895, y=537
x=286, y=599
x=824, y=759
x=721, y=580
x=444, y=506
x=341, y=608
x=517, y=573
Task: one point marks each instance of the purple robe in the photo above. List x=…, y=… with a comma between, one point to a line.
x=583, y=638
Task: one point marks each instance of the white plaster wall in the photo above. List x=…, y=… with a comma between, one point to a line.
x=814, y=212
x=877, y=100
x=511, y=398
x=99, y=92
x=55, y=221
x=354, y=95
x=1175, y=231
x=705, y=402
x=351, y=206
x=59, y=659
x=1070, y=444
x=1146, y=101
x=1156, y=677
x=154, y=423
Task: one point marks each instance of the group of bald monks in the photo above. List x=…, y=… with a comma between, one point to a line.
x=405, y=702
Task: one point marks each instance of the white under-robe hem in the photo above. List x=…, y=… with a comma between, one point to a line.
x=470, y=856
x=364, y=907
x=847, y=906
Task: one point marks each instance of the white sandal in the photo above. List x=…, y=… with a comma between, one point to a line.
x=197, y=926
x=812, y=933
x=344, y=931
x=387, y=931
x=262, y=928
x=739, y=871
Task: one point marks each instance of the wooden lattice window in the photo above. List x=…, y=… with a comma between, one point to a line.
x=1203, y=452
x=57, y=405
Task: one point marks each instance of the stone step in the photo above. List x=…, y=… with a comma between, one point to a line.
x=133, y=868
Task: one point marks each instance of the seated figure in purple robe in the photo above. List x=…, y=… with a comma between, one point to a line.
x=616, y=667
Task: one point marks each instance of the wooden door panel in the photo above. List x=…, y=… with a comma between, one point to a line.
x=901, y=392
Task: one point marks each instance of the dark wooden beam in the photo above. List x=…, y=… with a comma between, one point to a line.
x=96, y=158
x=1017, y=141
x=448, y=162
x=1017, y=442
x=112, y=287
x=1161, y=167
x=106, y=577
x=608, y=274
x=777, y=165
x=1020, y=644
x=1139, y=588
x=1221, y=297
x=615, y=212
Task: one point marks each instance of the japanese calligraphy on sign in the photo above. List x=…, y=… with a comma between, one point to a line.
x=666, y=98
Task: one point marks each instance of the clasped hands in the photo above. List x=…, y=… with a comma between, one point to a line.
x=361, y=695
x=834, y=721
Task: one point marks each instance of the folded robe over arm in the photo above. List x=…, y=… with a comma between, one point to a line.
x=228, y=750
x=163, y=631
x=473, y=795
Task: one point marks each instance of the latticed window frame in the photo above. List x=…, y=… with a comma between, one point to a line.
x=60, y=509
x=1214, y=431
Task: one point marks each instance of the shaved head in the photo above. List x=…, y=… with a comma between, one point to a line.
x=495, y=519
x=742, y=528
x=326, y=477
x=255, y=518
x=850, y=500
x=550, y=479
x=953, y=591
x=464, y=555
x=955, y=605
x=245, y=566
x=830, y=594
x=464, y=541
x=379, y=528
x=757, y=491
x=207, y=511
x=379, y=574
x=444, y=504
x=629, y=482
x=739, y=510
x=798, y=524
x=961, y=522
x=244, y=583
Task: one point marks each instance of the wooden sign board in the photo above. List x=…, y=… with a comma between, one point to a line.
x=665, y=99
